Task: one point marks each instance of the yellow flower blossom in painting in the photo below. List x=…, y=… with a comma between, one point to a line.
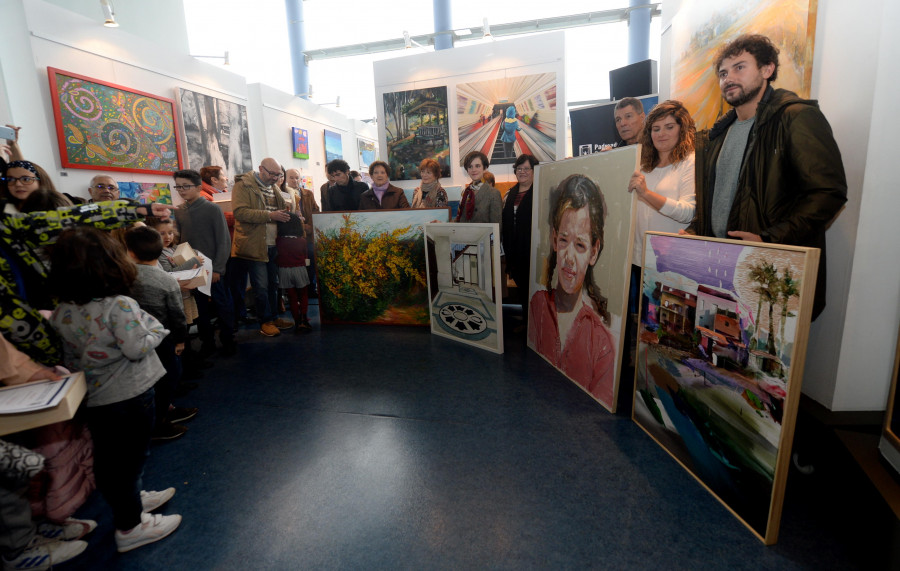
x=363, y=270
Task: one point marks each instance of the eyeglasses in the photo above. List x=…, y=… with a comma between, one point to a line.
x=108, y=187
x=523, y=170
x=272, y=173
x=22, y=179
x=185, y=186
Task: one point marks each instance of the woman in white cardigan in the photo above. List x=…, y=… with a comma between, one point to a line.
x=665, y=183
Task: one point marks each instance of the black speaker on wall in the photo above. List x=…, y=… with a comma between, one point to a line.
x=634, y=80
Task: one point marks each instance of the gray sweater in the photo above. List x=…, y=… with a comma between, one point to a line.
x=159, y=295
x=202, y=225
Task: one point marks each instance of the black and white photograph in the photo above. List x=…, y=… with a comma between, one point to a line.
x=215, y=133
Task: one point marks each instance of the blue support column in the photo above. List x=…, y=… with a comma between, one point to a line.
x=297, y=38
x=442, y=23
x=638, y=32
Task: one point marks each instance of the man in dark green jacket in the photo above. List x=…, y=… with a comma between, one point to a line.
x=769, y=170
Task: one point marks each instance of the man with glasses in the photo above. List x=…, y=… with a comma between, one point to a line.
x=202, y=225
x=258, y=207
x=103, y=187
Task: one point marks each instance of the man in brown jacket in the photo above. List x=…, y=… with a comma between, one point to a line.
x=258, y=206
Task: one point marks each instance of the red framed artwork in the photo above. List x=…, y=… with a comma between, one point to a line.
x=102, y=126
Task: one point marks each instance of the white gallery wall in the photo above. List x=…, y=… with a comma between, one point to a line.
x=501, y=59
x=277, y=112
x=45, y=35
x=852, y=344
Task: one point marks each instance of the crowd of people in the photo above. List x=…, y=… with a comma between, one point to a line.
x=90, y=286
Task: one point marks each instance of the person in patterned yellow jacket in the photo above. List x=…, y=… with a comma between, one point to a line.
x=22, y=274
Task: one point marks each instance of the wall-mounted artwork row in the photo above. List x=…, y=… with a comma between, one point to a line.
x=334, y=147
x=367, y=153
x=102, y=126
x=300, y=143
x=721, y=346
x=464, y=289
x=416, y=127
x=216, y=133
x=146, y=192
x=370, y=265
x=700, y=28
x=506, y=117
x=580, y=266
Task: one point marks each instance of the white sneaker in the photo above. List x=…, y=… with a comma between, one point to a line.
x=70, y=529
x=153, y=527
x=45, y=555
x=154, y=500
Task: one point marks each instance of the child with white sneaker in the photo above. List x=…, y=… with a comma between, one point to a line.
x=108, y=336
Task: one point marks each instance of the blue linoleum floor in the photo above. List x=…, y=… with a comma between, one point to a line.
x=388, y=448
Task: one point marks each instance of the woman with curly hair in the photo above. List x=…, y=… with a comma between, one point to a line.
x=665, y=183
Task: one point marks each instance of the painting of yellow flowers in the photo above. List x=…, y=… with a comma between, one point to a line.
x=701, y=28
x=370, y=265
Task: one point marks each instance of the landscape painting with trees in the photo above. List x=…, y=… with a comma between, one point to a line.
x=416, y=127
x=722, y=340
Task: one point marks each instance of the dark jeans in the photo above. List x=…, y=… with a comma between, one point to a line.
x=121, y=433
x=236, y=282
x=165, y=387
x=221, y=301
x=264, y=281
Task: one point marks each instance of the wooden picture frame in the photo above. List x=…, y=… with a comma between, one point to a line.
x=889, y=445
x=721, y=347
x=107, y=127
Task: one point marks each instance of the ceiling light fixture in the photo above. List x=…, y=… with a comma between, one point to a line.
x=109, y=14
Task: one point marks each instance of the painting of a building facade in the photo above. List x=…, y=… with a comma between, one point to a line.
x=721, y=344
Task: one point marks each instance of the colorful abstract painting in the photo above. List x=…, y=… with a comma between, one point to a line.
x=700, y=28
x=506, y=117
x=370, y=265
x=216, y=133
x=102, y=126
x=334, y=147
x=300, y=142
x=721, y=344
x=464, y=288
x=581, y=242
x=146, y=192
x=416, y=127
x=367, y=153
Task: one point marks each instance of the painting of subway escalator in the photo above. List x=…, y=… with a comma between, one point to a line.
x=507, y=117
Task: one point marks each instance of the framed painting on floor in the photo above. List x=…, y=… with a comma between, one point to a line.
x=581, y=242
x=464, y=289
x=102, y=126
x=370, y=265
x=721, y=347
